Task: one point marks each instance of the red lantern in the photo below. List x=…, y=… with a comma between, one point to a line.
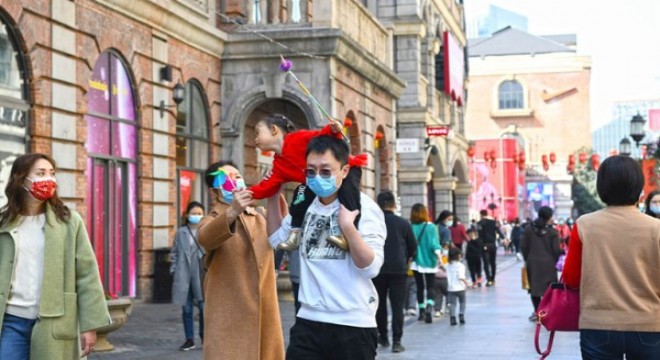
x=546, y=166
x=521, y=166
x=486, y=156
x=379, y=135
x=521, y=157
x=553, y=158
x=492, y=154
x=470, y=151
x=493, y=164
x=515, y=158
x=596, y=166
x=571, y=159
x=583, y=158
x=544, y=159
x=570, y=168
x=348, y=122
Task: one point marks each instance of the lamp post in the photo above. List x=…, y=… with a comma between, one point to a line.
x=625, y=147
x=637, y=128
x=178, y=94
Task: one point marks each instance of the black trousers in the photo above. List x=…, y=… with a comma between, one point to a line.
x=348, y=194
x=474, y=265
x=490, y=265
x=395, y=285
x=311, y=340
x=425, y=281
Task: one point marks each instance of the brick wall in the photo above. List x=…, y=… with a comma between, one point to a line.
x=63, y=40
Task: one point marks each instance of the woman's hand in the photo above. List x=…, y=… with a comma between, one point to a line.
x=336, y=126
x=87, y=342
x=242, y=199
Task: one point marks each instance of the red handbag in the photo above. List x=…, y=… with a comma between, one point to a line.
x=559, y=310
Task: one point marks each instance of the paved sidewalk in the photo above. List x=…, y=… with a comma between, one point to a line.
x=497, y=329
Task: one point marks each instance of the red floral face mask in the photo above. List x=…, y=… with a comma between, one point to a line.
x=42, y=189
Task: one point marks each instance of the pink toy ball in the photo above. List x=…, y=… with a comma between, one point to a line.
x=286, y=65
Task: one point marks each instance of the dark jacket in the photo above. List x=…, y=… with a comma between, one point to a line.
x=516, y=233
x=474, y=248
x=540, y=249
x=488, y=231
x=400, y=244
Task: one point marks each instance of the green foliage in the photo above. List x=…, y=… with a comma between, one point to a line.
x=585, y=197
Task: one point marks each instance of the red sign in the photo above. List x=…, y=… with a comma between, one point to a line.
x=454, y=68
x=437, y=130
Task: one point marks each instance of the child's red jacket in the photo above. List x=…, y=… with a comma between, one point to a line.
x=290, y=165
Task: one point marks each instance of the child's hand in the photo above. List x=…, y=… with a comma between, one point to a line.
x=336, y=126
x=346, y=217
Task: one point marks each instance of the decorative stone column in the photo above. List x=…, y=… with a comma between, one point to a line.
x=412, y=188
x=443, y=193
x=462, y=206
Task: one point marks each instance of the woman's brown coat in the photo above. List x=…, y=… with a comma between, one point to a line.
x=241, y=315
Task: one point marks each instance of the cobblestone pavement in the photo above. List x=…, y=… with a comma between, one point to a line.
x=497, y=329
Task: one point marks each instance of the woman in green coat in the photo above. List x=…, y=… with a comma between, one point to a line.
x=51, y=296
x=425, y=264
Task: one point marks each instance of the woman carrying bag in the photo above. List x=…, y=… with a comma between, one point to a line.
x=187, y=268
x=614, y=259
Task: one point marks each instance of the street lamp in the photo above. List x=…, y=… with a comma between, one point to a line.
x=178, y=94
x=637, y=128
x=625, y=147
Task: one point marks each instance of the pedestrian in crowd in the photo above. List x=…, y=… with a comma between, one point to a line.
x=444, y=221
x=411, y=293
x=540, y=246
x=51, y=296
x=614, y=260
x=458, y=233
x=488, y=232
x=473, y=224
x=473, y=255
x=188, y=271
x=563, y=231
x=516, y=233
x=426, y=260
x=506, y=240
x=456, y=285
x=338, y=299
x=276, y=133
x=440, y=291
x=400, y=247
x=241, y=311
x=652, y=204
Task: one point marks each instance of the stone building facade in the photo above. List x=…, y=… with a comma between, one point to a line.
x=84, y=83
x=429, y=54
x=536, y=88
x=340, y=51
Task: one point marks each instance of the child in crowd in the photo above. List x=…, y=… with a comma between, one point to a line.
x=456, y=285
x=276, y=133
x=473, y=257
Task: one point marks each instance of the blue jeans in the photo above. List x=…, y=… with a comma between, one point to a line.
x=606, y=345
x=15, y=338
x=188, y=317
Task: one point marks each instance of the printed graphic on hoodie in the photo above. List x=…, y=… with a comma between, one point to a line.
x=315, y=230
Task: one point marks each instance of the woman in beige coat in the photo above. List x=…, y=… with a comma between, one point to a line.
x=242, y=319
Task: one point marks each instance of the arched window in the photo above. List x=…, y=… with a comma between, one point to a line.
x=510, y=94
x=13, y=103
x=112, y=173
x=192, y=146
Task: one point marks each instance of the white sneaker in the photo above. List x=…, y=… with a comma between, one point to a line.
x=519, y=256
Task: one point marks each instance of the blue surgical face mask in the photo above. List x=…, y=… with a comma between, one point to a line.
x=322, y=187
x=228, y=196
x=194, y=219
x=655, y=209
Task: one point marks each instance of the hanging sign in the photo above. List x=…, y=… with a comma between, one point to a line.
x=437, y=130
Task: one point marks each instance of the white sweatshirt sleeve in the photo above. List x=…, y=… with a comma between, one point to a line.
x=373, y=231
x=281, y=234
